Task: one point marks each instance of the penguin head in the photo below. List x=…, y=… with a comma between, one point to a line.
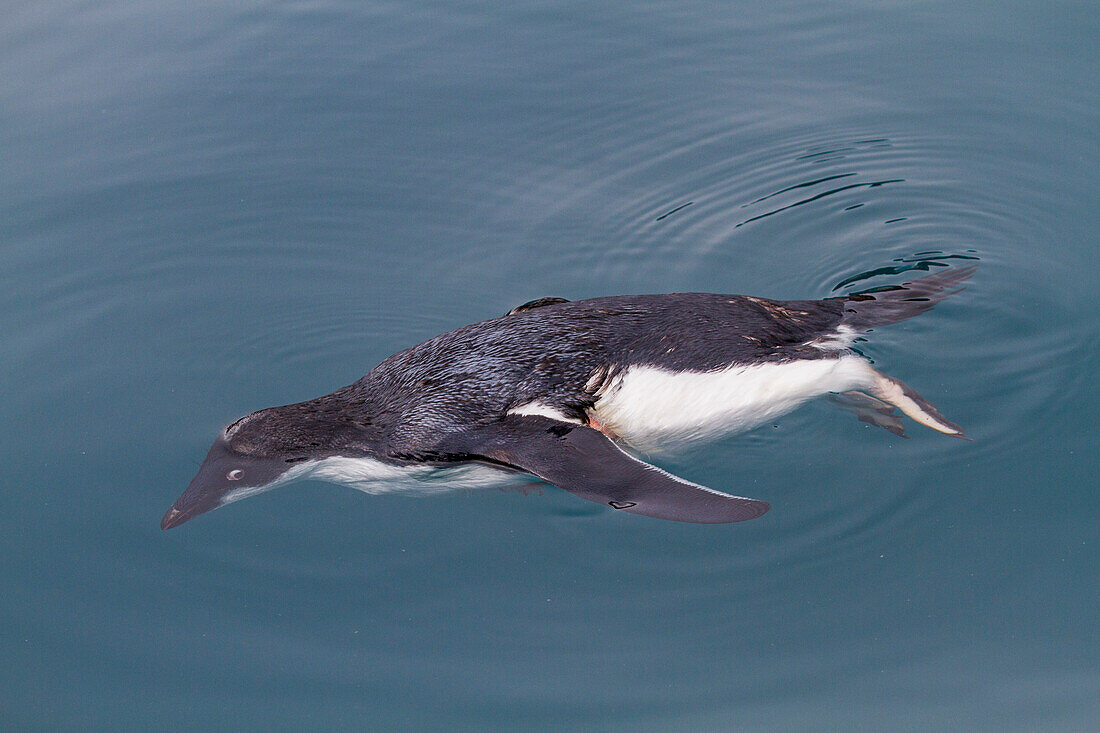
x=253, y=455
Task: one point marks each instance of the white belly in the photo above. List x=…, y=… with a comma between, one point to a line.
x=375, y=477
x=652, y=408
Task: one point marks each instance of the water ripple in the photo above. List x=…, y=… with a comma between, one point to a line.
x=823, y=194
x=831, y=211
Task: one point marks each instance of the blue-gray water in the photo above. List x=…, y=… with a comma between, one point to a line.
x=209, y=208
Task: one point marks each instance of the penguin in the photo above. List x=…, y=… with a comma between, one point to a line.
x=572, y=392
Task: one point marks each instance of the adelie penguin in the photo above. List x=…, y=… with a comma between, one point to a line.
x=565, y=390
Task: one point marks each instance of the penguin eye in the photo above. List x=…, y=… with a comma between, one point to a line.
x=235, y=474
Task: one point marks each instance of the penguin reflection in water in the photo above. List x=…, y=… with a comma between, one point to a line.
x=563, y=390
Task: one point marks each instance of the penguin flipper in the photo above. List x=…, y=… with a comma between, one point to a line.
x=587, y=463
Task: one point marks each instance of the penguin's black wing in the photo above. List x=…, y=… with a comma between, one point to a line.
x=587, y=463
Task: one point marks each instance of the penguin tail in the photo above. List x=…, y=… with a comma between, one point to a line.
x=893, y=303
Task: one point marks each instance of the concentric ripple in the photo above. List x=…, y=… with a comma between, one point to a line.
x=818, y=212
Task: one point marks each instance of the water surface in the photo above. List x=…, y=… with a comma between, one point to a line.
x=209, y=208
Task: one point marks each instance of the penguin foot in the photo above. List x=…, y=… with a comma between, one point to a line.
x=871, y=410
x=905, y=398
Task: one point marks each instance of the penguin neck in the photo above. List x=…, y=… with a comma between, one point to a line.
x=324, y=427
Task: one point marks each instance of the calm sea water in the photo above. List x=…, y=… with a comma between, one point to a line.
x=209, y=208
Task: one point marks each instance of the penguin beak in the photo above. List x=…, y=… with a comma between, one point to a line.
x=175, y=517
x=197, y=499
x=220, y=478
x=206, y=490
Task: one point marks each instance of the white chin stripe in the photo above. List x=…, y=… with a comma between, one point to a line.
x=296, y=471
x=650, y=407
